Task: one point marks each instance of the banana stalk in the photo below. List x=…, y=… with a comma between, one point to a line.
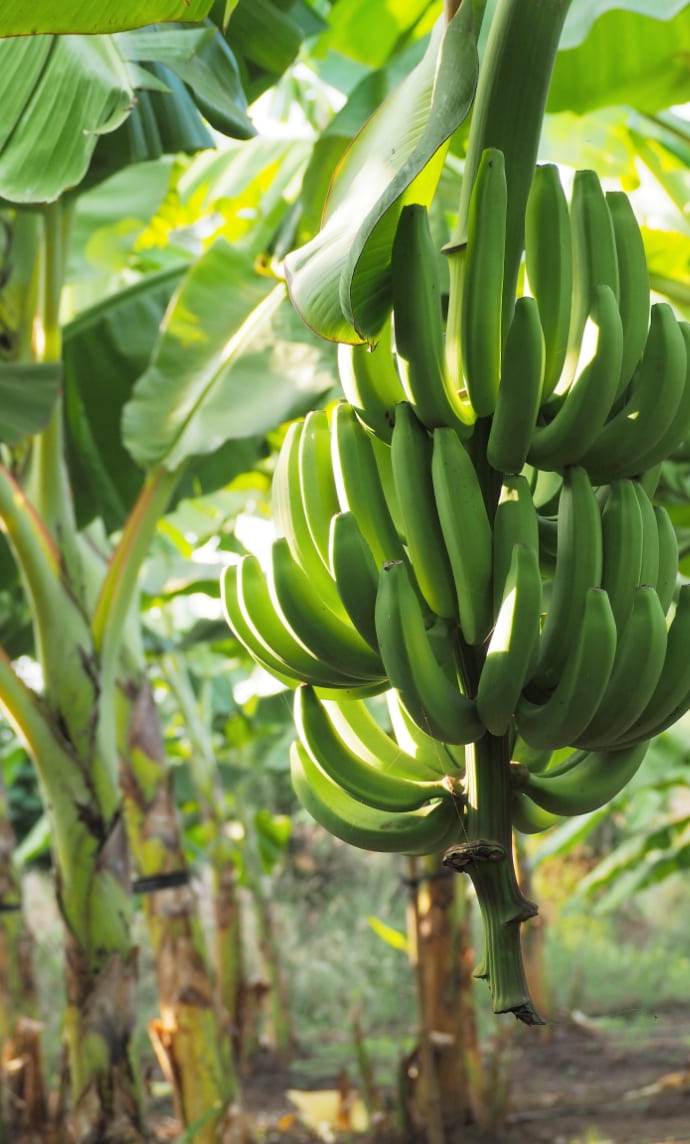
x=486, y=855
x=507, y=115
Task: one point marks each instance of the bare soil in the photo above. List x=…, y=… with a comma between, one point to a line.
x=572, y=1083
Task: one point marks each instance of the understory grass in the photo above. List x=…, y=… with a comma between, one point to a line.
x=618, y=969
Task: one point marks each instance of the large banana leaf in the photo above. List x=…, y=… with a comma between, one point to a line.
x=638, y=57
x=582, y=15
x=265, y=39
x=230, y=362
x=207, y=66
x=58, y=95
x=63, y=95
x=340, y=281
x=28, y=17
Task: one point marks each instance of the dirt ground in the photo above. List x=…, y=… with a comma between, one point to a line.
x=571, y=1084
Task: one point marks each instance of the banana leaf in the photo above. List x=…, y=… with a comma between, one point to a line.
x=203, y=61
x=340, y=281
x=58, y=95
x=636, y=55
x=28, y=17
x=231, y=362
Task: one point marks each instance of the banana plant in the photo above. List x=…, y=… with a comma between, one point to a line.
x=90, y=722
x=474, y=530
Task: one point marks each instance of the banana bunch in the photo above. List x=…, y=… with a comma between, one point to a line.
x=473, y=533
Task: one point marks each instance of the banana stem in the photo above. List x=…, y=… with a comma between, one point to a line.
x=486, y=856
x=508, y=113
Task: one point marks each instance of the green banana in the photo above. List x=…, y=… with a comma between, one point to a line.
x=434, y=700
x=371, y=382
x=545, y=488
x=548, y=535
x=636, y=672
x=668, y=557
x=535, y=760
x=595, y=262
x=371, y=785
x=653, y=400
x=519, y=390
x=679, y=428
x=578, y=568
x=510, y=654
x=243, y=633
x=515, y=522
x=359, y=486
x=290, y=519
x=425, y=831
x=633, y=276
x=316, y=481
x=622, y=542
x=561, y=718
x=481, y=331
x=527, y=817
x=419, y=336
x=649, y=564
x=591, y=781
x=584, y=408
x=355, y=724
x=549, y=257
x=426, y=750
x=411, y=459
x=384, y=467
x=355, y=573
x=330, y=639
x=466, y=532
x=251, y=616
x=671, y=697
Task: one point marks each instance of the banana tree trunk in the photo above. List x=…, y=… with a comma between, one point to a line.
x=91, y=861
x=191, y=1043
x=235, y=995
x=227, y=948
x=443, y=954
x=24, y=1104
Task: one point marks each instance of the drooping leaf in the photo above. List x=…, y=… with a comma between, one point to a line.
x=162, y=122
x=363, y=101
x=265, y=39
x=340, y=281
x=202, y=59
x=28, y=392
x=58, y=95
x=29, y=17
x=230, y=362
x=630, y=58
